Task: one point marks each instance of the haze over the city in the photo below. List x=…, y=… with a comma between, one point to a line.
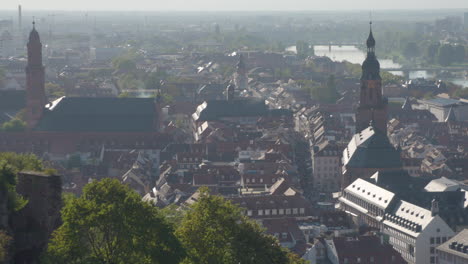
x=234, y=131
x=239, y=5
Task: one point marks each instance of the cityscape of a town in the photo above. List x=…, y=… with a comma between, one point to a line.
x=229, y=132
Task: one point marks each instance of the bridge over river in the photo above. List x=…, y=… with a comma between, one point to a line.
x=455, y=68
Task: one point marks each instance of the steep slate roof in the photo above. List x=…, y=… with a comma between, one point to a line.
x=216, y=109
x=412, y=218
x=12, y=99
x=451, y=116
x=407, y=105
x=99, y=115
x=371, y=149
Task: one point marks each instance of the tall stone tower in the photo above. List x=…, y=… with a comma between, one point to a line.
x=241, y=79
x=35, y=91
x=372, y=106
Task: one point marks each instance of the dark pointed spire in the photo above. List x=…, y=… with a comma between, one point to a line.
x=370, y=40
x=451, y=116
x=34, y=35
x=371, y=66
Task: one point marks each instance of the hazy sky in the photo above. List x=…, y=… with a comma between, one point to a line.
x=231, y=5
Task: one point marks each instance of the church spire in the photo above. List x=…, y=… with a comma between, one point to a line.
x=241, y=79
x=35, y=79
x=370, y=40
x=371, y=66
x=372, y=105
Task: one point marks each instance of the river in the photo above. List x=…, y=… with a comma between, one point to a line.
x=355, y=55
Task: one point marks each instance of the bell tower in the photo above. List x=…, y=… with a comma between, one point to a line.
x=372, y=105
x=241, y=80
x=35, y=91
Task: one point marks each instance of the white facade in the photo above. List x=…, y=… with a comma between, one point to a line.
x=366, y=202
x=455, y=250
x=415, y=232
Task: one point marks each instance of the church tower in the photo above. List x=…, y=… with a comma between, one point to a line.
x=241, y=79
x=372, y=106
x=35, y=91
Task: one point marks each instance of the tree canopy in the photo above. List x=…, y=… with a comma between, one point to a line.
x=323, y=92
x=215, y=231
x=10, y=165
x=14, y=125
x=4, y=242
x=110, y=224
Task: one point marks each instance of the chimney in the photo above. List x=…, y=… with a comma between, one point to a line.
x=434, y=207
x=19, y=19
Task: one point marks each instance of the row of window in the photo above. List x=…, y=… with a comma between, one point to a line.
x=190, y=159
x=287, y=211
x=327, y=161
x=361, y=260
x=450, y=258
x=319, y=169
x=253, y=180
x=189, y=166
x=326, y=175
x=370, y=207
x=400, y=235
x=437, y=240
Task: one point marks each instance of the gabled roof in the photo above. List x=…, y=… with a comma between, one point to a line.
x=443, y=185
x=371, y=149
x=457, y=245
x=412, y=218
x=216, y=109
x=99, y=115
x=371, y=192
x=12, y=99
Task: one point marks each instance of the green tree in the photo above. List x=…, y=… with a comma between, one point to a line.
x=124, y=64
x=215, y=231
x=109, y=224
x=389, y=78
x=14, y=125
x=303, y=49
x=7, y=186
x=10, y=165
x=330, y=93
x=124, y=95
x=54, y=90
x=4, y=243
x=20, y=162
